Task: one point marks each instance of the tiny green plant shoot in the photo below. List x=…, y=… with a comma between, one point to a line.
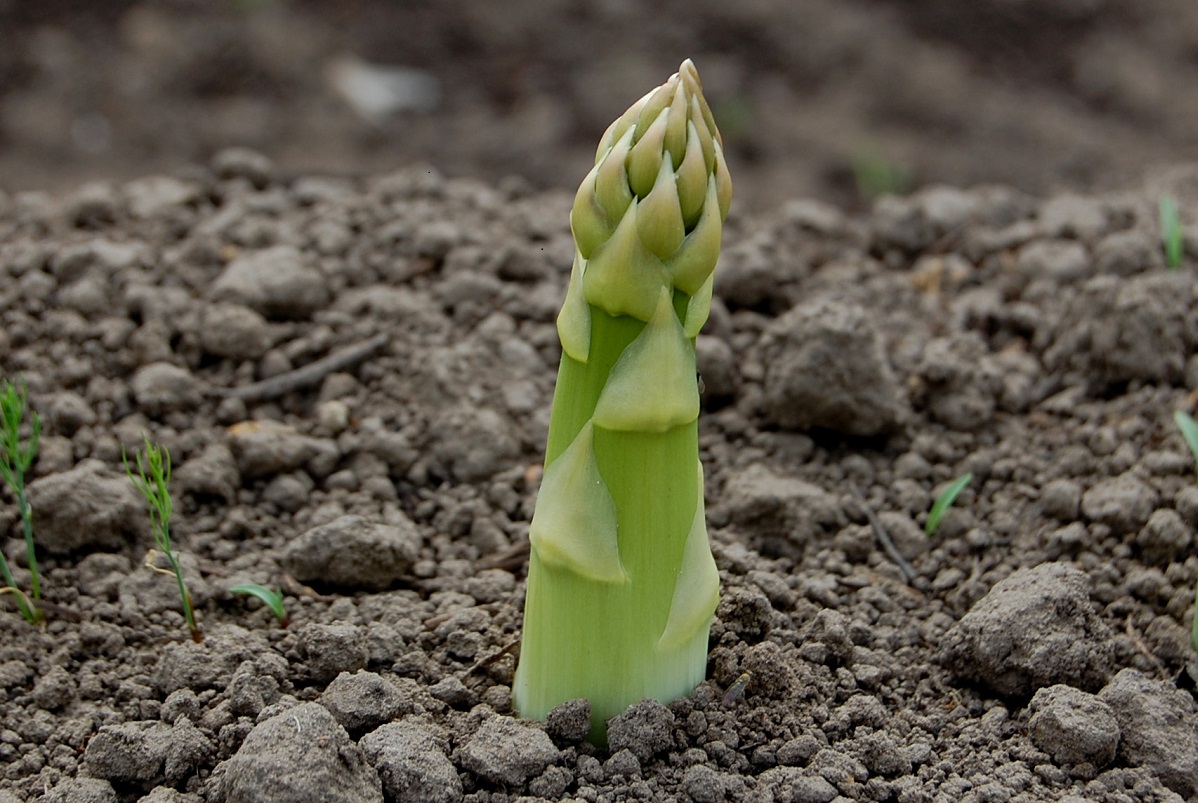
x=1189, y=431
x=877, y=175
x=1171, y=234
x=271, y=598
x=15, y=461
x=622, y=584
x=152, y=479
x=945, y=501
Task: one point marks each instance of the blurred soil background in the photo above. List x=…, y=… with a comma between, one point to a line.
x=837, y=99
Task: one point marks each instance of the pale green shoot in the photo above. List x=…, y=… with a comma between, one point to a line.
x=271, y=598
x=1171, y=235
x=15, y=461
x=1194, y=627
x=622, y=585
x=945, y=501
x=152, y=479
x=1189, y=431
x=877, y=175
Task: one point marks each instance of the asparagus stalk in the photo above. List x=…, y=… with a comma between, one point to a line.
x=622, y=585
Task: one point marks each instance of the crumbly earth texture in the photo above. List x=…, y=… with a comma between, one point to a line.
x=1038, y=650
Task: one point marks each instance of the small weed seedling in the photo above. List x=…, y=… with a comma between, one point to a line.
x=15, y=460
x=1194, y=627
x=270, y=598
x=152, y=478
x=877, y=175
x=945, y=501
x=1171, y=232
x=1189, y=431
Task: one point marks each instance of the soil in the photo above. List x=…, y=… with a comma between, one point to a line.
x=353, y=370
x=814, y=99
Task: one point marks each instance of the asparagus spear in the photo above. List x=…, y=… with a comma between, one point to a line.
x=622, y=584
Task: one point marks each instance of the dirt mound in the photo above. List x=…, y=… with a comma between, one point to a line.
x=349, y=368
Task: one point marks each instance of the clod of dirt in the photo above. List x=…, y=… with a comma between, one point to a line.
x=187, y=665
x=332, y=649
x=186, y=750
x=474, y=442
x=249, y=692
x=128, y=753
x=1123, y=503
x=87, y=506
x=911, y=224
x=1061, y=499
x=165, y=794
x=645, y=728
x=211, y=473
x=278, y=282
x=364, y=700
x=704, y=784
x=411, y=760
x=235, y=331
x=1165, y=538
x=1073, y=726
x=161, y=387
x=266, y=448
x=779, y=514
x=791, y=783
x=302, y=756
x=507, y=751
x=1152, y=716
x=1034, y=629
x=353, y=552
x=1116, y=331
x=826, y=367
x=569, y=722
x=74, y=790
x=962, y=382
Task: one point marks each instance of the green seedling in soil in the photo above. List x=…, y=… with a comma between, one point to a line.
x=1189, y=431
x=945, y=501
x=270, y=598
x=15, y=461
x=622, y=585
x=1194, y=626
x=1171, y=234
x=153, y=479
x=876, y=175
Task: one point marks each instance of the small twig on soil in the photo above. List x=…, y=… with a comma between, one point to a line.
x=506, y=649
x=1134, y=635
x=884, y=538
x=511, y=558
x=297, y=589
x=306, y=375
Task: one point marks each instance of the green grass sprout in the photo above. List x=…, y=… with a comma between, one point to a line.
x=877, y=175
x=15, y=461
x=1194, y=626
x=152, y=479
x=271, y=598
x=622, y=585
x=945, y=501
x=1171, y=234
x=1189, y=431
